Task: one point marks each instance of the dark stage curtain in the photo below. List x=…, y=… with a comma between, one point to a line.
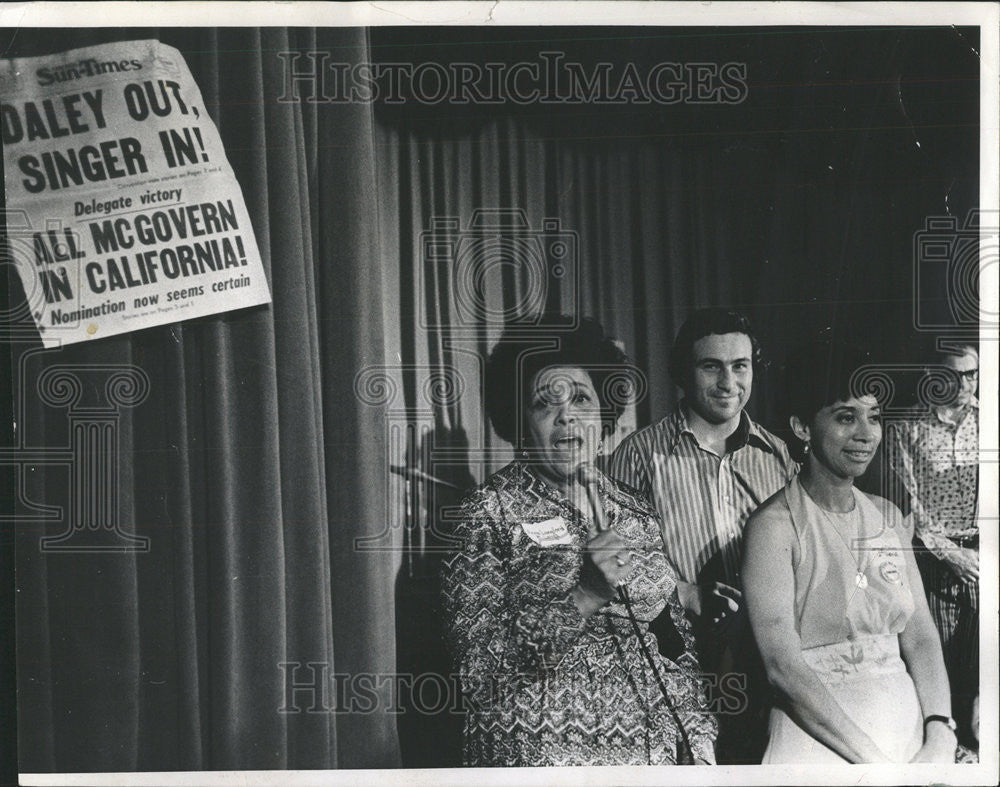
x=273, y=465
x=251, y=467
x=798, y=207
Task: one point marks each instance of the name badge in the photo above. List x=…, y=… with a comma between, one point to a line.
x=548, y=533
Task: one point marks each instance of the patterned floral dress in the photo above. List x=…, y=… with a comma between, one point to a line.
x=542, y=684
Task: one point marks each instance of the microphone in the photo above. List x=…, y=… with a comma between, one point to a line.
x=589, y=477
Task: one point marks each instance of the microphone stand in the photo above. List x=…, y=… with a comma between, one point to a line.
x=590, y=477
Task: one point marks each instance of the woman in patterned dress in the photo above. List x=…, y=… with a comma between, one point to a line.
x=551, y=667
x=834, y=595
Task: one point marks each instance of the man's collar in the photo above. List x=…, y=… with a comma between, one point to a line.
x=972, y=405
x=746, y=433
x=752, y=433
x=676, y=425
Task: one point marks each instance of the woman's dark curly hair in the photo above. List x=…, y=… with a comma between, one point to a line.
x=514, y=362
x=820, y=373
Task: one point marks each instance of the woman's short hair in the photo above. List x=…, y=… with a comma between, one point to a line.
x=820, y=373
x=513, y=365
x=700, y=324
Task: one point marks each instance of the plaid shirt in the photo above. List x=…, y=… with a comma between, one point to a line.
x=703, y=499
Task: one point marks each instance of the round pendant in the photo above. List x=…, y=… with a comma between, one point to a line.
x=861, y=580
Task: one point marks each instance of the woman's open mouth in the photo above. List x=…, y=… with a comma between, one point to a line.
x=859, y=456
x=572, y=443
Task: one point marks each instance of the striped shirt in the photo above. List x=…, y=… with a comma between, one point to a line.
x=703, y=499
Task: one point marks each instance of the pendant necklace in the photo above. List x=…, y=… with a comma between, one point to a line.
x=860, y=578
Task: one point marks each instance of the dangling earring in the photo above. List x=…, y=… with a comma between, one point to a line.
x=805, y=448
x=600, y=448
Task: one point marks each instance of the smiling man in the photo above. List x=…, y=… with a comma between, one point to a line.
x=706, y=467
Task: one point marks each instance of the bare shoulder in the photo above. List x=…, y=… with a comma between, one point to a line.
x=775, y=507
x=769, y=541
x=772, y=521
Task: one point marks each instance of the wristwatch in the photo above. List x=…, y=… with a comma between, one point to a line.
x=947, y=721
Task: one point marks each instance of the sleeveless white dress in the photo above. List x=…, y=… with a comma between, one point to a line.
x=849, y=630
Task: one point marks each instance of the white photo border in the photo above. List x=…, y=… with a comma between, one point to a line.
x=986, y=16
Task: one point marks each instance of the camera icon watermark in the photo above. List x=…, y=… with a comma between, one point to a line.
x=948, y=260
x=499, y=271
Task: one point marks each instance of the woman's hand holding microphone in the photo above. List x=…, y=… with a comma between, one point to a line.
x=607, y=558
x=607, y=561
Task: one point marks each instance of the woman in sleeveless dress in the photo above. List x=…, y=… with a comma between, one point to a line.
x=834, y=596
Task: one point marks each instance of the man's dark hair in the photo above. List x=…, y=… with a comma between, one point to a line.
x=513, y=365
x=700, y=324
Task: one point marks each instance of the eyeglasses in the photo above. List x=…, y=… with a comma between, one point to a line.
x=971, y=374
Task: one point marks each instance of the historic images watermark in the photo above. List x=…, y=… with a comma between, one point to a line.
x=314, y=687
x=416, y=505
x=493, y=271
x=935, y=385
x=49, y=249
x=93, y=396
x=313, y=77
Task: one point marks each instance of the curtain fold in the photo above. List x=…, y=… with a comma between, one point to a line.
x=217, y=647
x=292, y=554
x=351, y=319
x=648, y=226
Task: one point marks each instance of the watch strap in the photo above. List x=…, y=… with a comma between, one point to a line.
x=948, y=721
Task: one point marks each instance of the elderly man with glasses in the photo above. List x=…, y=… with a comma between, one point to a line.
x=936, y=456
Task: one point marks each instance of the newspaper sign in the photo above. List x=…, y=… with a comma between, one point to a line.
x=122, y=209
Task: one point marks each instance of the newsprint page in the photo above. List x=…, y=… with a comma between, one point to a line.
x=499, y=392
